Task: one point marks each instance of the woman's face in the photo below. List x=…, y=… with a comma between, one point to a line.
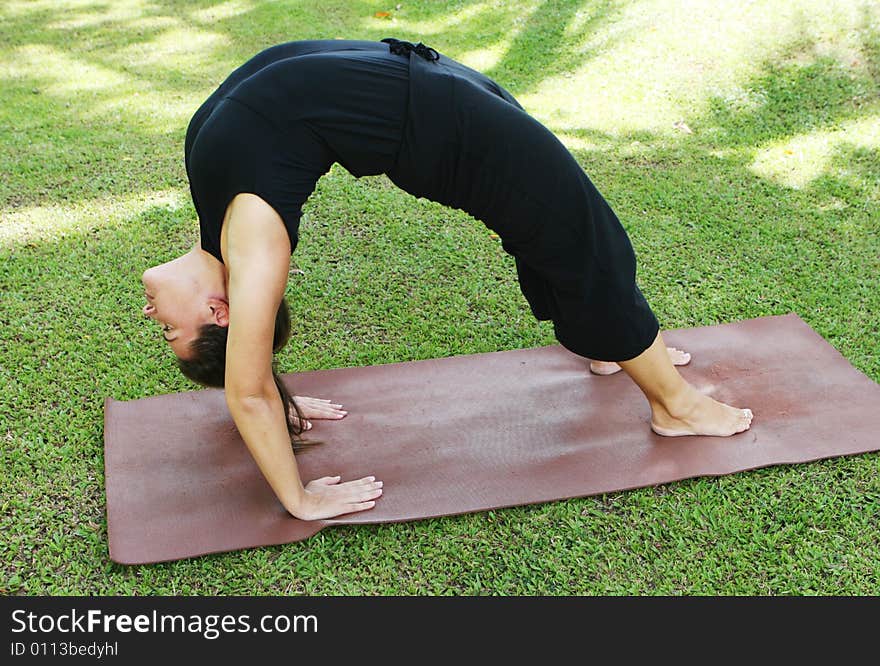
x=173, y=301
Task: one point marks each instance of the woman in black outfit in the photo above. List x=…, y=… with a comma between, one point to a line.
x=254, y=152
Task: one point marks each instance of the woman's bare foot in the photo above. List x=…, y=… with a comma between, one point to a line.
x=696, y=414
x=677, y=356
x=677, y=408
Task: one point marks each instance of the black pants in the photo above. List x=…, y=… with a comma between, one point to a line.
x=468, y=144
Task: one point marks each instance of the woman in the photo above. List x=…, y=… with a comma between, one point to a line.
x=254, y=152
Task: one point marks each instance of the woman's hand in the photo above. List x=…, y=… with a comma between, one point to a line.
x=317, y=408
x=327, y=497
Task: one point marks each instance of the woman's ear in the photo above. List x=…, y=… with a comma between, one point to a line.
x=219, y=312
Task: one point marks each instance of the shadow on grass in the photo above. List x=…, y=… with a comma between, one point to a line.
x=791, y=99
x=719, y=241
x=547, y=45
x=803, y=90
x=96, y=99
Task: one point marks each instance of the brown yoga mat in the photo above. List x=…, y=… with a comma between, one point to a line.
x=472, y=433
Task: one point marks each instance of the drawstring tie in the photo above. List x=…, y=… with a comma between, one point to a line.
x=403, y=48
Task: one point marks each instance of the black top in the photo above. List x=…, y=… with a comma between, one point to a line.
x=279, y=122
x=439, y=130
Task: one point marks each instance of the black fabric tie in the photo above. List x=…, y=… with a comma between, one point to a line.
x=404, y=48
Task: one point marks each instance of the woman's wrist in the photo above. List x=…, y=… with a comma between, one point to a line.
x=293, y=501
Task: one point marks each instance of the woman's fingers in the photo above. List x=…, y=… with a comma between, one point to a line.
x=327, y=497
x=363, y=495
x=327, y=413
x=319, y=408
x=328, y=480
x=366, y=492
x=367, y=481
x=316, y=402
x=305, y=423
x=360, y=490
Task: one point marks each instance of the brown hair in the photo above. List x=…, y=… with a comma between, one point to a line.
x=207, y=366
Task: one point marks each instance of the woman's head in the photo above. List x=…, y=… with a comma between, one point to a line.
x=187, y=296
x=206, y=361
x=184, y=295
x=206, y=364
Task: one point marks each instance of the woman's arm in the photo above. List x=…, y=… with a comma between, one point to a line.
x=257, y=256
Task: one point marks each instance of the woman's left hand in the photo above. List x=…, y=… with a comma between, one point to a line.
x=317, y=408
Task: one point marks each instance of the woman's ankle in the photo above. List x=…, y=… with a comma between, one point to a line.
x=677, y=402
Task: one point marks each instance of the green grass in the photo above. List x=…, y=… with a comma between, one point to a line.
x=769, y=206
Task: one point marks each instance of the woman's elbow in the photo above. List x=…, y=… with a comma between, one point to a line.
x=249, y=395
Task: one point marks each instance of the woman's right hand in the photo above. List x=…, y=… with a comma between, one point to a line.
x=327, y=497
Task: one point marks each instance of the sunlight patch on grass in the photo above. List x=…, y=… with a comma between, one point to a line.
x=100, y=92
x=579, y=21
x=436, y=24
x=573, y=142
x=486, y=58
x=119, y=10
x=153, y=23
x=799, y=160
x=222, y=11
x=483, y=19
x=655, y=66
x=180, y=48
x=62, y=75
x=34, y=224
x=150, y=110
x=19, y=7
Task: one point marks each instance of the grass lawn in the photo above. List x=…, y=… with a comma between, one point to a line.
x=738, y=142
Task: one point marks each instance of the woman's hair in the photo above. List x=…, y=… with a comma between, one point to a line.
x=207, y=366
